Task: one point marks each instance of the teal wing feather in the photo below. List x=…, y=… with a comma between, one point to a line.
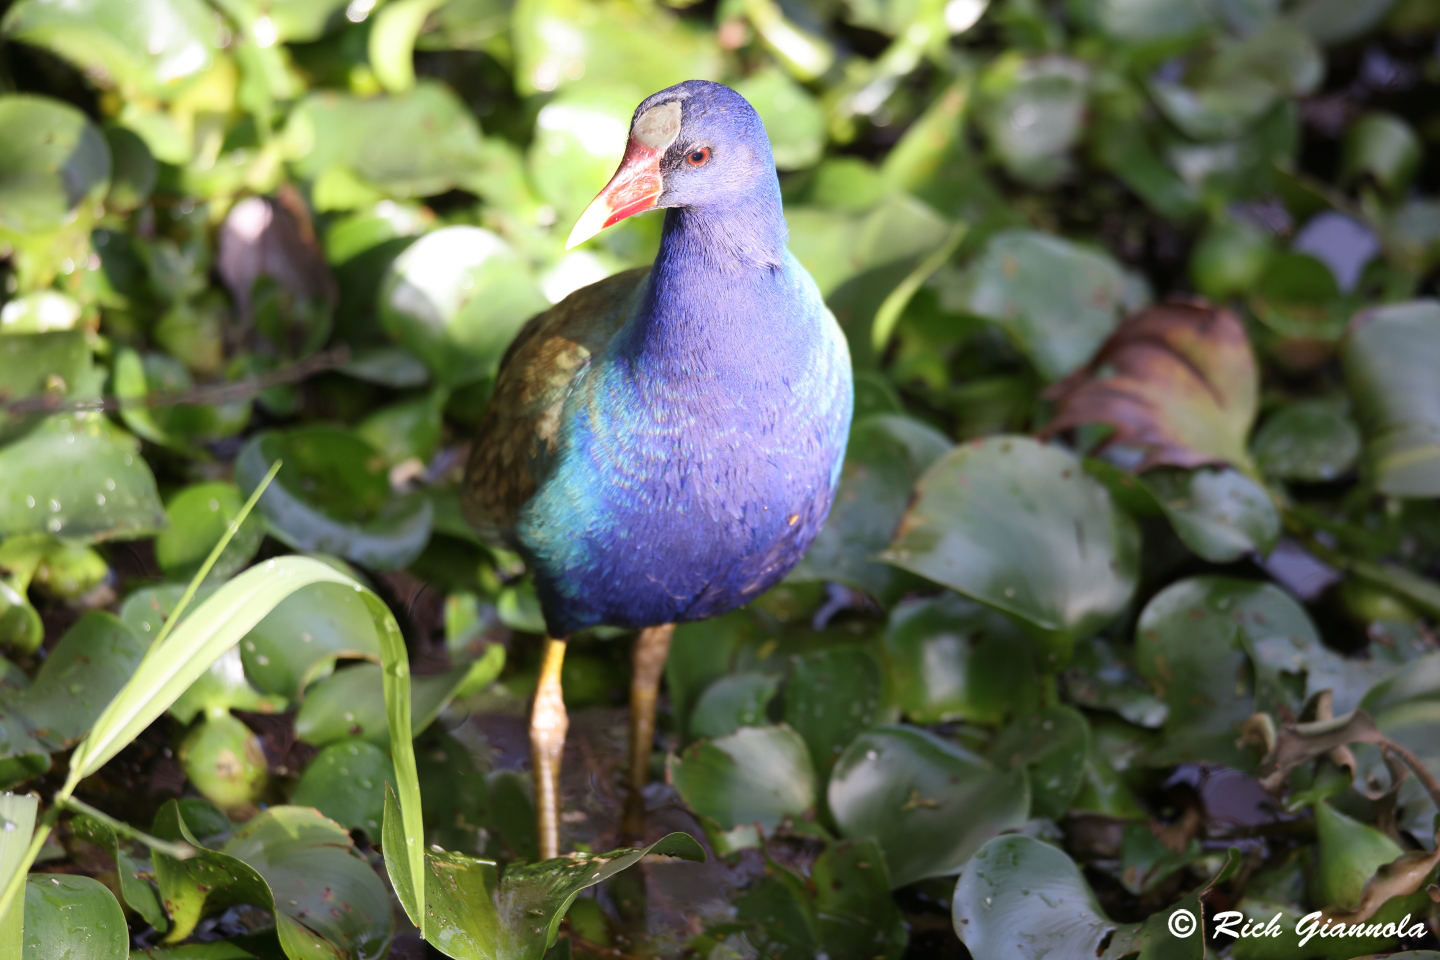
x=520, y=434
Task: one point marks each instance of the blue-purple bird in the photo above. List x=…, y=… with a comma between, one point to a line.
x=663, y=445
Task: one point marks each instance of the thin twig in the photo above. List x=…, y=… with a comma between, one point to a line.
x=179, y=851
x=196, y=396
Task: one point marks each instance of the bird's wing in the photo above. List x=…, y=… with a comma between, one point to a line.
x=520, y=434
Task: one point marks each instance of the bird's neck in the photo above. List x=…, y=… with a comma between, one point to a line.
x=718, y=293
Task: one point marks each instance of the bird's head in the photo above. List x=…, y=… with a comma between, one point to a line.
x=696, y=144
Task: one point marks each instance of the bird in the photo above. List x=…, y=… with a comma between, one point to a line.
x=663, y=445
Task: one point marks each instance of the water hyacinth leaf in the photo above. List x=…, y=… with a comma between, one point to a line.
x=1142, y=20
x=305, y=634
x=1220, y=514
x=351, y=703
x=1177, y=381
x=333, y=496
x=1387, y=355
x=392, y=42
x=1021, y=527
x=79, y=677
x=456, y=298
x=225, y=761
x=346, y=783
x=1033, y=112
x=1053, y=744
x=1313, y=441
x=1384, y=147
x=793, y=120
x=855, y=916
x=408, y=430
x=55, y=160
x=754, y=777
x=929, y=803
x=223, y=687
x=1056, y=299
x=1191, y=645
x=31, y=363
x=579, y=140
x=182, y=427
x=700, y=654
x=198, y=516
x=617, y=43
x=76, y=476
x=138, y=892
x=414, y=144
x=77, y=918
x=144, y=50
x=1098, y=678
x=831, y=696
x=886, y=455
x=739, y=700
x=950, y=658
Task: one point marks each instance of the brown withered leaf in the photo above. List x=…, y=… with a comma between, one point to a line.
x=1177, y=381
x=274, y=238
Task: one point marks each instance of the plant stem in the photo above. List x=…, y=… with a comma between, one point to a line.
x=179, y=851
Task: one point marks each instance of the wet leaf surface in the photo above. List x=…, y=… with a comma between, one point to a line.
x=72, y=917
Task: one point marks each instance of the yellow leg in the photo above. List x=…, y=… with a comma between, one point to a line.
x=548, y=724
x=651, y=649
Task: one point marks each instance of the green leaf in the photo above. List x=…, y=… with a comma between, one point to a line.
x=300, y=640
x=346, y=782
x=885, y=456
x=73, y=917
x=138, y=892
x=739, y=700
x=474, y=915
x=1098, y=678
x=392, y=42
x=929, y=803
x=1056, y=299
x=35, y=362
x=1033, y=113
x=953, y=659
x=1220, y=514
x=1191, y=644
x=414, y=144
x=351, y=703
x=408, y=430
x=53, y=160
x=1314, y=441
x=79, y=677
x=749, y=780
x=831, y=697
x=148, y=49
x=332, y=496
x=17, y=824
x=198, y=516
x=1053, y=744
x=855, y=916
x=225, y=761
x=1021, y=527
x=77, y=477
x=793, y=119
x=1384, y=147
x=1388, y=355
x=456, y=298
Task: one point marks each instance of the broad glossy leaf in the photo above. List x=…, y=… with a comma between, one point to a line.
x=1021, y=527
x=1056, y=299
x=72, y=917
x=53, y=160
x=198, y=516
x=79, y=677
x=1220, y=514
x=225, y=761
x=754, y=777
x=144, y=49
x=1388, y=355
x=414, y=144
x=1053, y=744
x=928, y=802
x=1383, y=147
x=1142, y=20
x=305, y=634
x=474, y=915
x=1178, y=381
x=408, y=430
x=832, y=696
x=793, y=119
x=76, y=476
x=138, y=891
x=1229, y=258
x=1191, y=644
x=579, y=140
x=31, y=363
x=855, y=916
x=1033, y=113
x=333, y=496
x=739, y=700
x=456, y=298
x=346, y=782
x=182, y=427
x=885, y=456
x=1099, y=678
x=953, y=659
x=351, y=703
x=700, y=654
x=1308, y=440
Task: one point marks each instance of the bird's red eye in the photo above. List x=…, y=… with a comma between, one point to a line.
x=699, y=157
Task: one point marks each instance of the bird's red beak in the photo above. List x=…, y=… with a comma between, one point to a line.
x=634, y=189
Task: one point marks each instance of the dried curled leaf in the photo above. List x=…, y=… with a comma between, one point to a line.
x=1177, y=381
x=1400, y=878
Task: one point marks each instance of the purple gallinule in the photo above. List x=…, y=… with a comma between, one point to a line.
x=663, y=445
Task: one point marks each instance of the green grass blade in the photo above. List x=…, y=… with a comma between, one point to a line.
x=396, y=666
x=17, y=825
x=894, y=304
